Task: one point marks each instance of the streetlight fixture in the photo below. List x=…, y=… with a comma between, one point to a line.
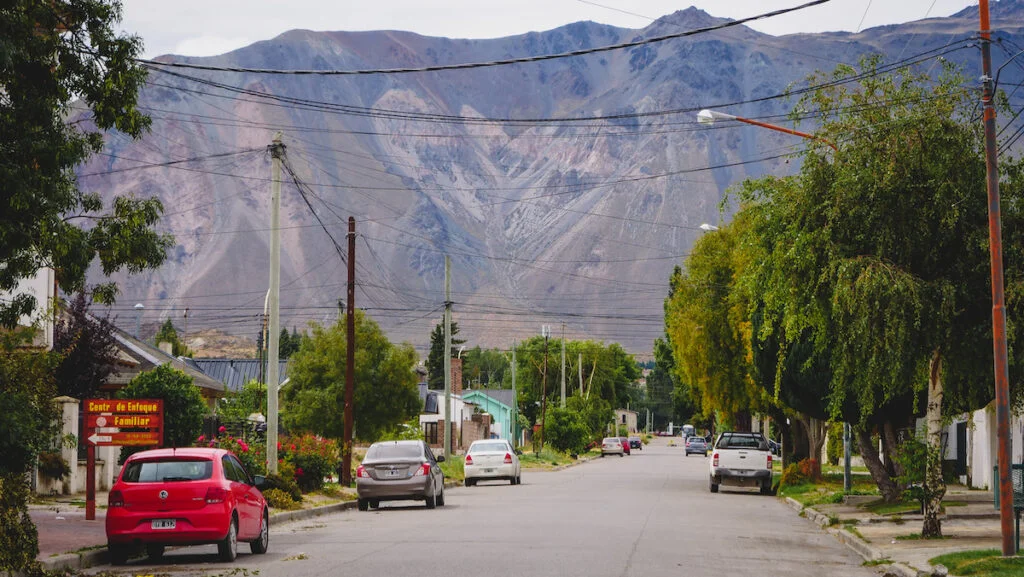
x=710, y=116
x=708, y=227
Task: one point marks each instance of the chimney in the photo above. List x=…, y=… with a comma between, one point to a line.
x=457, y=376
x=167, y=348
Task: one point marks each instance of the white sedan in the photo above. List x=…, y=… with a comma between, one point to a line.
x=492, y=459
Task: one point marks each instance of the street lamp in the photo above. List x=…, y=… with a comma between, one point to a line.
x=708, y=227
x=710, y=116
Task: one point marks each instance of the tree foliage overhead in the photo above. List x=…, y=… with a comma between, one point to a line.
x=87, y=349
x=169, y=334
x=385, y=382
x=54, y=53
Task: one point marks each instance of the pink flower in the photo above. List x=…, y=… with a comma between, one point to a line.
x=210, y=444
x=201, y=438
x=292, y=447
x=279, y=445
x=222, y=429
x=298, y=472
x=242, y=445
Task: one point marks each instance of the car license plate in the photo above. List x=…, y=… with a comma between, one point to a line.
x=163, y=523
x=393, y=474
x=488, y=470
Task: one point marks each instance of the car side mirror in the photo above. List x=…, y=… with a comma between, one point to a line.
x=259, y=481
x=519, y=452
x=440, y=458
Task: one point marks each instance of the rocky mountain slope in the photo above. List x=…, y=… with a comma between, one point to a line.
x=575, y=221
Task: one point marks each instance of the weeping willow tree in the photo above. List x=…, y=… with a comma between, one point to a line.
x=877, y=257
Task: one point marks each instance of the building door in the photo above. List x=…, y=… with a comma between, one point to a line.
x=961, y=449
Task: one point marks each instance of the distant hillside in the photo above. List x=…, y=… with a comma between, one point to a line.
x=582, y=220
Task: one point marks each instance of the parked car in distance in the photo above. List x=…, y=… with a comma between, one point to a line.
x=612, y=446
x=741, y=460
x=697, y=446
x=625, y=445
x=190, y=496
x=492, y=459
x=636, y=443
x=399, y=471
x=775, y=447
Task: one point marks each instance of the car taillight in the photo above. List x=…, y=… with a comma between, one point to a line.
x=469, y=459
x=362, y=472
x=423, y=470
x=216, y=495
x=508, y=458
x=115, y=499
x=769, y=460
x=714, y=460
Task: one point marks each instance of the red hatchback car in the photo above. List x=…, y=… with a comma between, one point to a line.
x=191, y=496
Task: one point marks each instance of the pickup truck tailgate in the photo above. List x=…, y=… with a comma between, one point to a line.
x=742, y=459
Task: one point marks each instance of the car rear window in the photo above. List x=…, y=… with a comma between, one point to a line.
x=488, y=448
x=167, y=470
x=742, y=442
x=394, y=451
x=612, y=440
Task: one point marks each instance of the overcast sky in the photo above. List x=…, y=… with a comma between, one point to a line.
x=208, y=27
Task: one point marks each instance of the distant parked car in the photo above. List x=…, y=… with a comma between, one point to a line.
x=625, y=445
x=697, y=446
x=775, y=447
x=636, y=443
x=399, y=471
x=190, y=496
x=492, y=460
x=612, y=446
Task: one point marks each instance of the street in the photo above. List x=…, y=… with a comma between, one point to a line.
x=645, y=514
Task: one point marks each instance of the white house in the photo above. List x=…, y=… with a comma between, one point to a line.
x=971, y=445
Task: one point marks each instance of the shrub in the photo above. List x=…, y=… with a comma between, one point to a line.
x=313, y=458
x=53, y=466
x=810, y=469
x=283, y=484
x=278, y=499
x=792, y=475
x=834, y=446
x=566, y=431
x=184, y=406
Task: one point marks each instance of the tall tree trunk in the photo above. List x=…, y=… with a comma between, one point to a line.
x=815, y=441
x=890, y=442
x=788, y=444
x=869, y=452
x=934, y=485
x=801, y=448
x=742, y=421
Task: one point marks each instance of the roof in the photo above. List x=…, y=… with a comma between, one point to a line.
x=137, y=356
x=235, y=373
x=504, y=396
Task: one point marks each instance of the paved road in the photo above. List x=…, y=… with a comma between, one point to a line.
x=647, y=514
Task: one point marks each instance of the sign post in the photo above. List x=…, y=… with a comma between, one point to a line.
x=118, y=422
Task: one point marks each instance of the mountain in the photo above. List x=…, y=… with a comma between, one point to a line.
x=578, y=221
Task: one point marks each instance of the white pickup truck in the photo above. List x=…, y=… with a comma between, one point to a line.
x=741, y=460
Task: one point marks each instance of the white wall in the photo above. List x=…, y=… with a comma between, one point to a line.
x=983, y=444
x=41, y=287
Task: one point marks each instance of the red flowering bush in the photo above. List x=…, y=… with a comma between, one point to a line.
x=253, y=457
x=313, y=457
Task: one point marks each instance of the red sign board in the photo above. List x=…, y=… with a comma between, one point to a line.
x=124, y=421
x=126, y=406
x=129, y=439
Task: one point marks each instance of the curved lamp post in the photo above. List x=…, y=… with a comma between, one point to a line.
x=710, y=116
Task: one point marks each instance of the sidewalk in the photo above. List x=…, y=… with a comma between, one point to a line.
x=62, y=526
x=969, y=523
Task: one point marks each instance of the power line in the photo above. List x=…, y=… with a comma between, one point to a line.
x=492, y=63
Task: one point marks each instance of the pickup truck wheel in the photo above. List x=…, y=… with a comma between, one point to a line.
x=766, y=488
x=712, y=485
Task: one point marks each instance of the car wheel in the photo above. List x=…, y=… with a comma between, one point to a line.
x=363, y=504
x=154, y=551
x=431, y=500
x=470, y=482
x=712, y=485
x=766, y=488
x=440, y=499
x=118, y=553
x=374, y=503
x=259, y=546
x=622, y=454
x=519, y=479
x=228, y=548
x=602, y=455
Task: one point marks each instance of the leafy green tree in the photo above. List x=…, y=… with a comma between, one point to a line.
x=56, y=53
x=184, y=406
x=483, y=367
x=385, y=388
x=595, y=413
x=236, y=406
x=566, y=430
x=168, y=334
x=878, y=254
x=87, y=349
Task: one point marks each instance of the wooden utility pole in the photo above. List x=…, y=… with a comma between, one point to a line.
x=274, y=301
x=563, y=365
x=545, y=330
x=448, y=420
x=350, y=358
x=995, y=238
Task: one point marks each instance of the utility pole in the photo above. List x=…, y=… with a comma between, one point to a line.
x=546, y=331
x=274, y=296
x=515, y=399
x=350, y=358
x=184, y=333
x=580, y=371
x=447, y=358
x=847, y=438
x=563, y=365
x=995, y=237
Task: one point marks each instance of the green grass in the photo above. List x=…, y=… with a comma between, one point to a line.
x=548, y=458
x=828, y=490
x=954, y=503
x=880, y=507
x=852, y=528
x=454, y=469
x=877, y=562
x=918, y=537
x=985, y=563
